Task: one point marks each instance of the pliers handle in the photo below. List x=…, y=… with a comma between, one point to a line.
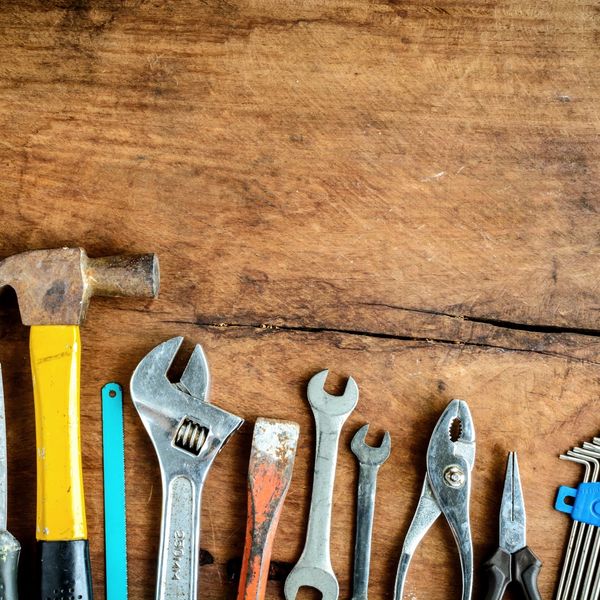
x=522, y=567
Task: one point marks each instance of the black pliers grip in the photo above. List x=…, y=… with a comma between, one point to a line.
x=522, y=567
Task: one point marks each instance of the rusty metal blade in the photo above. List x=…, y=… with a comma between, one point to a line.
x=269, y=474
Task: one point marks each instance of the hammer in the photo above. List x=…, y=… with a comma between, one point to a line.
x=53, y=289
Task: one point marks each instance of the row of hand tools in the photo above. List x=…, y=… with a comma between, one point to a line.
x=53, y=289
x=187, y=432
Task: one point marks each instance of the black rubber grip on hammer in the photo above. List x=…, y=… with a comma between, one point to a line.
x=64, y=570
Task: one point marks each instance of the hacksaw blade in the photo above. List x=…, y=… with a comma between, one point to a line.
x=115, y=533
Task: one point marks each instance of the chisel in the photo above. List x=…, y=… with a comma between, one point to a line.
x=269, y=474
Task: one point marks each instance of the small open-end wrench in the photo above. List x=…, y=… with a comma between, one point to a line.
x=187, y=433
x=370, y=459
x=314, y=569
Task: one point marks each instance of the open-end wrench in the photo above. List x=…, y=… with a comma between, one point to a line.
x=370, y=458
x=314, y=569
x=187, y=433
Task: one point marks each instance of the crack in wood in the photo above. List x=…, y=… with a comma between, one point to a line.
x=267, y=327
x=501, y=323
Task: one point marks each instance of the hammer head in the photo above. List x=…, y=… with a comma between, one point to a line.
x=54, y=287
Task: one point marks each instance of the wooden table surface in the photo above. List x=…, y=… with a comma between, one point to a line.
x=401, y=191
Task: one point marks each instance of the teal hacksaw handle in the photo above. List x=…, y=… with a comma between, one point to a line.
x=115, y=537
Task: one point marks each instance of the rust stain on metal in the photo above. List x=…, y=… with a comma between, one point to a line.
x=54, y=286
x=269, y=474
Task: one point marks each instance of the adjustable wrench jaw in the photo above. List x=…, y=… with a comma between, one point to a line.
x=150, y=384
x=187, y=432
x=187, y=441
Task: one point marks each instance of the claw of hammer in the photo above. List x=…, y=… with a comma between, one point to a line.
x=269, y=475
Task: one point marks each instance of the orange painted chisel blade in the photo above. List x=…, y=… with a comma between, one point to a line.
x=269, y=474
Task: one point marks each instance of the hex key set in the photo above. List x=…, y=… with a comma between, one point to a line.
x=580, y=574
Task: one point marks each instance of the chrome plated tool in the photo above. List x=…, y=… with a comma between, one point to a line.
x=314, y=569
x=187, y=433
x=115, y=526
x=269, y=475
x=513, y=561
x=370, y=458
x=594, y=572
x=446, y=490
x=583, y=508
x=9, y=546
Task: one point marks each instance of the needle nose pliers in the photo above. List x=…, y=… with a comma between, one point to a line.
x=513, y=561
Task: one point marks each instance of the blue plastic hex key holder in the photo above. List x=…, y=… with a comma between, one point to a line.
x=115, y=537
x=585, y=505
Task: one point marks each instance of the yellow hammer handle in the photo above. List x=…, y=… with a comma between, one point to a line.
x=55, y=365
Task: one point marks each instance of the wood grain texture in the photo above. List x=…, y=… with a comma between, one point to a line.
x=401, y=191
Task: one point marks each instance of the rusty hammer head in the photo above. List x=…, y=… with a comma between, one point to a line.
x=54, y=287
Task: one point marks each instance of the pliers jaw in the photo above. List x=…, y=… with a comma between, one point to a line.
x=450, y=460
x=452, y=443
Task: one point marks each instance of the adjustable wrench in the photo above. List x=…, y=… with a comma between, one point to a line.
x=370, y=459
x=314, y=569
x=187, y=433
